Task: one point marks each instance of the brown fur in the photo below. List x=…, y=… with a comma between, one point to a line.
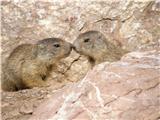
x=29, y=64
x=97, y=48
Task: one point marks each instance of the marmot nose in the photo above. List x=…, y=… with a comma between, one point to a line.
x=72, y=46
x=75, y=49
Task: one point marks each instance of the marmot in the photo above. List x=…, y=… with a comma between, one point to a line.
x=28, y=65
x=97, y=48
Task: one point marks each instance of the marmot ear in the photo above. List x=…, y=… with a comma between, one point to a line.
x=99, y=37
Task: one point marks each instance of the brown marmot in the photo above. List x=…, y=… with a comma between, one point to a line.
x=29, y=64
x=97, y=48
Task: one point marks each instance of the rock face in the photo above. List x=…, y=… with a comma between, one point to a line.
x=124, y=90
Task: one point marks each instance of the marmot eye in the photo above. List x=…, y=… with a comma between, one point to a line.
x=57, y=45
x=86, y=40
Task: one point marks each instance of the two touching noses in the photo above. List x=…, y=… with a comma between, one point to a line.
x=72, y=46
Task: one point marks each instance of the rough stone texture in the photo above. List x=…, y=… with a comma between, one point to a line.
x=21, y=104
x=124, y=90
x=130, y=24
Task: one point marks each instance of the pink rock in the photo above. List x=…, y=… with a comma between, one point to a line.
x=124, y=90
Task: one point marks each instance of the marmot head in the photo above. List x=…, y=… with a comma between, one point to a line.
x=53, y=49
x=91, y=44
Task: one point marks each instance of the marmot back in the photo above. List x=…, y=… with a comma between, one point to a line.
x=29, y=64
x=97, y=48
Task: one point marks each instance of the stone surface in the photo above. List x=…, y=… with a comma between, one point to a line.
x=20, y=105
x=123, y=90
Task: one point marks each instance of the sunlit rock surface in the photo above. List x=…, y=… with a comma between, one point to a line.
x=124, y=90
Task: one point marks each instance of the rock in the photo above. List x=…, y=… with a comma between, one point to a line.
x=123, y=90
x=26, y=108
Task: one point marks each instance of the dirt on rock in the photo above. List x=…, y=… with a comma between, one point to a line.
x=21, y=104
